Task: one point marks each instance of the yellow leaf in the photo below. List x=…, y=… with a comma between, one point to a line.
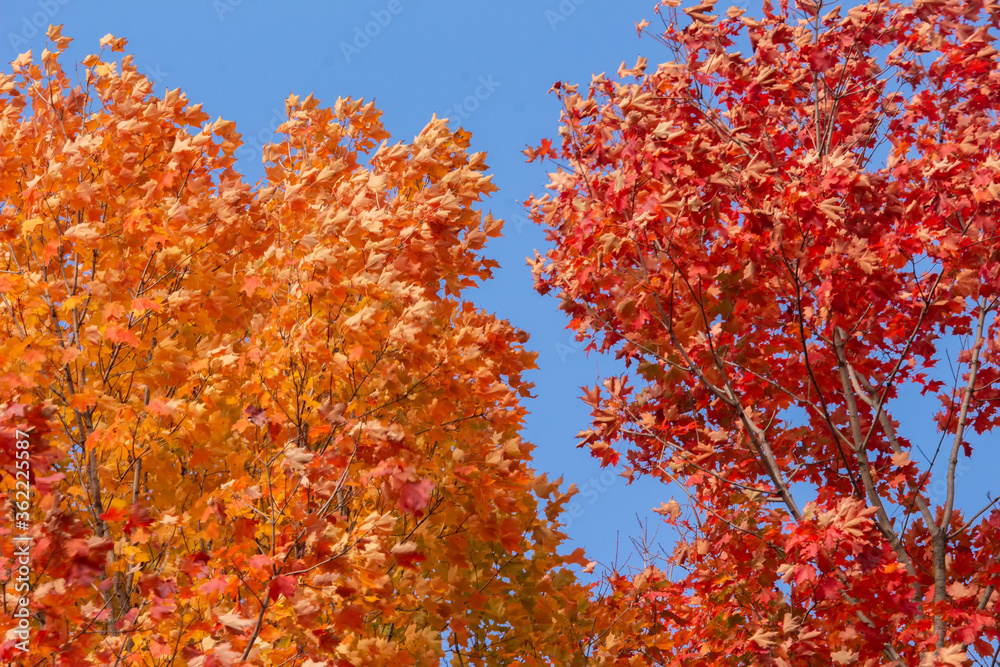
x=29, y=225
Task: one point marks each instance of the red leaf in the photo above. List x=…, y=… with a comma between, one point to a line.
x=822, y=59
x=274, y=431
x=215, y=584
x=282, y=585
x=138, y=516
x=114, y=514
x=260, y=561
x=407, y=556
x=158, y=612
x=415, y=496
x=256, y=414
x=351, y=617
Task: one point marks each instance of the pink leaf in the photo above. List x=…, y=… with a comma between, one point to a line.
x=415, y=496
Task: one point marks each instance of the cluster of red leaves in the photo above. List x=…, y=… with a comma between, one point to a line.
x=720, y=223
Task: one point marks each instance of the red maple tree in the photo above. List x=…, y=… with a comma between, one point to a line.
x=727, y=223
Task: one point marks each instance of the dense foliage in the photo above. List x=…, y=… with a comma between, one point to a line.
x=264, y=426
x=727, y=223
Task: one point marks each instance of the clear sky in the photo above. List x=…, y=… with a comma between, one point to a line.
x=485, y=65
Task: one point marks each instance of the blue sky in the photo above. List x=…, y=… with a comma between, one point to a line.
x=495, y=60
x=485, y=65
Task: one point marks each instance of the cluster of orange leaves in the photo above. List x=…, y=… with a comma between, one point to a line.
x=266, y=426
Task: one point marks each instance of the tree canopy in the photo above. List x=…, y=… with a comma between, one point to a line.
x=779, y=230
x=264, y=425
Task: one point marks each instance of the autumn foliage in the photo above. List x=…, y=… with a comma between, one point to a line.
x=785, y=230
x=266, y=427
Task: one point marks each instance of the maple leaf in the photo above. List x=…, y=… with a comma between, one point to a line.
x=138, y=517
x=333, y=413
x=822, y=59
x=142, y=304
x=282, y=585
x=158, y=612
x=213, y=585
x=112, y=42
x=114, y=514
x=763, y=639
x=407, y=554
x=82, y=232
x=261, y=561
x=250, y=285
x=28, y=226
x=671, y=510
x=415, y=496
x=948, y=655
x=235, y=622
x=121, y=335
x=225, y=654
x=159, y=406
x=351, y=617
x=256, y=415
x=844, y=657
x=296, y=458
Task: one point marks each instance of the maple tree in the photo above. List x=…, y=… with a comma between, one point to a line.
x=265, y=425
x=725, y=224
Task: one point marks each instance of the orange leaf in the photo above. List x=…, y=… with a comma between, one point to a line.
x=121, y=335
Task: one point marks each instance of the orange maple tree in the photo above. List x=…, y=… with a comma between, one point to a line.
x=264, y=426
x=781, y=231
